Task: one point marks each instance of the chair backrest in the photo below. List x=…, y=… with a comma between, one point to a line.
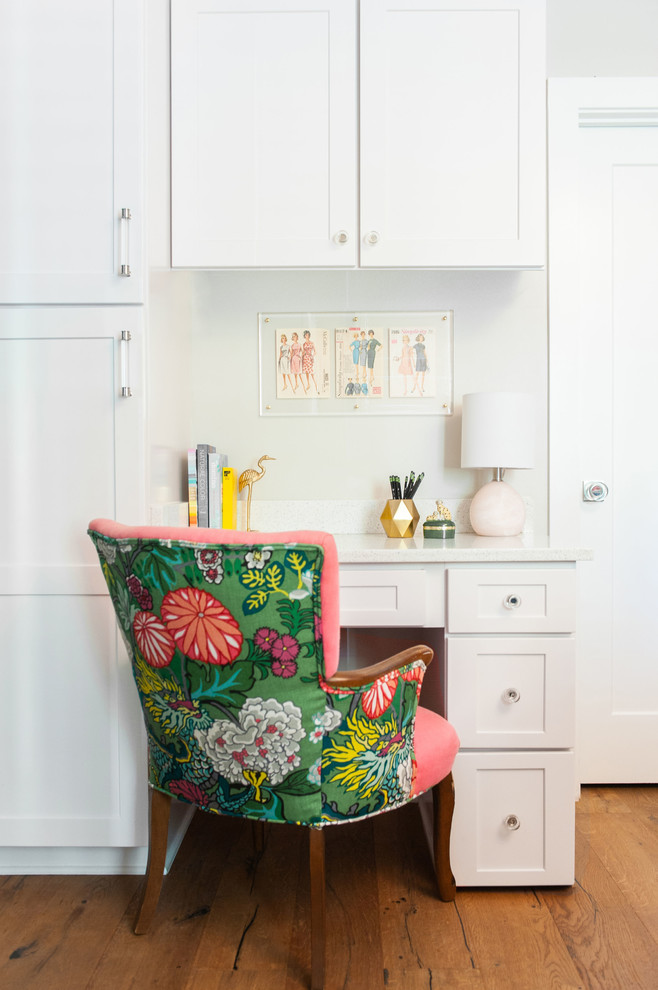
x=230, y=635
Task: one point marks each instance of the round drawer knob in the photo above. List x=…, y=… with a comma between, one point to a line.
x=511, y=696
x=512, y=601
x=512, y=822
x=341, y=237
x=372, y=237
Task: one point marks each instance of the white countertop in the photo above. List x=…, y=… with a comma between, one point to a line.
x=467, y=547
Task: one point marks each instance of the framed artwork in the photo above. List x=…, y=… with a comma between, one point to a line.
x=346, y=364
x=303, y=364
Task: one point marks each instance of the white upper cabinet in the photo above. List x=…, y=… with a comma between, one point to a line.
x=453, y=133
x=71, y=152
x=263, y=133
x=450, y=168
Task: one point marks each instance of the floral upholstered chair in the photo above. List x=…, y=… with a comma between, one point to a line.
x=234, y=642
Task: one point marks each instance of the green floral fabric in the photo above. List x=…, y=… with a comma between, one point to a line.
x=227, y=655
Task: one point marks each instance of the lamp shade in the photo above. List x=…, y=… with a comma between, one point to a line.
x=498, y=430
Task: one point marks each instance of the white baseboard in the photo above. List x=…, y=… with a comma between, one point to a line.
x=93, y=860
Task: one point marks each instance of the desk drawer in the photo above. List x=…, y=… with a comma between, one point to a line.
x=513, y=693
x=498, y=600
x=514, y=819
x=382, y=597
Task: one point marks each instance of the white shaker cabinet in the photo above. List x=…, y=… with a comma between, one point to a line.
x=263, y=133
x=510, y=693
x=71, y=151
x=449, y=170
x=452, y=128
x=72, y=736
x=503, y=674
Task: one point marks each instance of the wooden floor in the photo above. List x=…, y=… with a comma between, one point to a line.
x=231, y=919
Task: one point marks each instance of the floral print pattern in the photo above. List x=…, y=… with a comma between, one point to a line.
x=155, y=642
x=209, y=563
x=227, y=653
x=201, y=626
x=265, y=741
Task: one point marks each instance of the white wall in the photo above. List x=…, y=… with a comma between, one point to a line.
x=203, y=325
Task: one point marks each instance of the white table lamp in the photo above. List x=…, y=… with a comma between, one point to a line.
x=498, y=431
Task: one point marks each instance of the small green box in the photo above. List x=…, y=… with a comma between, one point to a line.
x=438, y=529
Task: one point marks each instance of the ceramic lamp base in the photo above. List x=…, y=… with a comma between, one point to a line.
x=497, y=510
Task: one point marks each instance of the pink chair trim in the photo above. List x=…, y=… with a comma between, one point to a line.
x=436, y=744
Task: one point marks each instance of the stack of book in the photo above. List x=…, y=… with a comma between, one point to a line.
x=212, y=488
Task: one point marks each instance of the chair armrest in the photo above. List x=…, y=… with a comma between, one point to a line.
x=366, y=675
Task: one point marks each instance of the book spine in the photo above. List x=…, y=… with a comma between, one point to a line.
x=229, y=498
x=192, y=487
x=202, y=452
x=216, y=462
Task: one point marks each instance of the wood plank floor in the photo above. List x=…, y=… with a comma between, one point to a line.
x=232, y=918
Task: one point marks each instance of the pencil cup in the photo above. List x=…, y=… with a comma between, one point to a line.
x=400, y=517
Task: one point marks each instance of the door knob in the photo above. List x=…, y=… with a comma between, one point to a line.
x=594, y=491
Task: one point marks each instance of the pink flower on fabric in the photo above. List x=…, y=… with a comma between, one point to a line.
x=378, y=698
x=153, y=639
x=285, y=667
x=189, y=791
x=285, y=647
x=202, y=627
x=264, y=638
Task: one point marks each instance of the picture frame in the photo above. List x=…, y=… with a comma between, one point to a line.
x=356, y=364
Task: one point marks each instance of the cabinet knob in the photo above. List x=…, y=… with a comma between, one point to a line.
x=372, y=237
x=512, y=601
x=512, y=822
x=341, y=237
x=511, y=696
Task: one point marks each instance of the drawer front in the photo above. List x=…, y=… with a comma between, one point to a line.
x=514, y=819
x=382, y=597
x=499, y=600
x=513, y=693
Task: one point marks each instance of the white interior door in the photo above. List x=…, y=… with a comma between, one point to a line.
x=603, y=250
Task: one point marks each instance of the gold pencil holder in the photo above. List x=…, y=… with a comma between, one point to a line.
x=399, y=518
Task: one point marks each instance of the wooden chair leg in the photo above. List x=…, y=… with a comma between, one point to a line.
x=318, y=911
x=159, y=807
x=443, y=795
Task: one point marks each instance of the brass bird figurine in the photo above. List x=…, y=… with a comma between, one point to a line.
x=247, y=479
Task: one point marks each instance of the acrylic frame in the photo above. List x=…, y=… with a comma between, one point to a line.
x=310, y=364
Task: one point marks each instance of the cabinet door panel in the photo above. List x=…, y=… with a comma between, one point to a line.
x=71, y=150
x=511, y=601
x=382, y=598
x=74, y=726
x=452, y=133
x=514, y=819
x=512, y=692
x=263, y=133
x=72, y=449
